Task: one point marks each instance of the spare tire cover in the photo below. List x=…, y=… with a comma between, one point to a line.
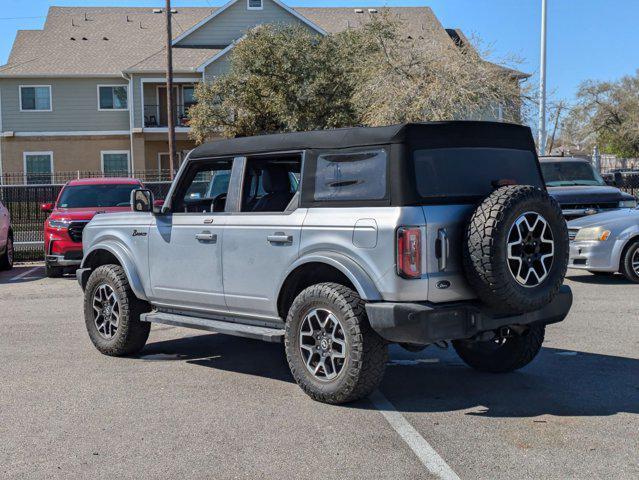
x=515, y=251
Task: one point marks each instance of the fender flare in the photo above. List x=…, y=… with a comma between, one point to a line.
x=363, y=283
x=125, y=260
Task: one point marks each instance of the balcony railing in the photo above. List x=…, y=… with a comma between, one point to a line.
x=155, y=116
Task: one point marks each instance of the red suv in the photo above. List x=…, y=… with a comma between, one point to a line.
x=78, y=202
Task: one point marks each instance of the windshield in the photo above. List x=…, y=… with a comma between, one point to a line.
x=567, y=174
x=114, y=195
x=472, y=172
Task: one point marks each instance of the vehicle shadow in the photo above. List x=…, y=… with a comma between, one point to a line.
x=224, y=352
x=558, y=382
x=616, y=279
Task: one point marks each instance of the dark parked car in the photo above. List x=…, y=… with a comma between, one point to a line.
x=6, y=239
x=579, y=188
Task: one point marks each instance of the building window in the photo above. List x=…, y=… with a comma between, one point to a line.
x=112, y=97
x=115, y=163
x=254, y=4
x=36, y=98
x=38, y=167
x=164, y=164
x=188, y=95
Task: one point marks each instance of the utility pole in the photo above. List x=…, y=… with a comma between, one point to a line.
x=596, y=158
x=542, y=83
x=170, y=103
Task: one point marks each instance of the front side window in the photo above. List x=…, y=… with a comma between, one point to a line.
x=38, y=167
x=255, y=4
x=36, y=98
x=351, y=176
x=205, y=188
x=81, y=196
x=112, y=97
x=570, y=173
x=115, y=163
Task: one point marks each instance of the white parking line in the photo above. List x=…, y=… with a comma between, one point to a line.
x=412, y=361
x=426, y=454
x=24, y=274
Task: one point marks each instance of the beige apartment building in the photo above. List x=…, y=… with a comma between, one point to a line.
x=86, y=94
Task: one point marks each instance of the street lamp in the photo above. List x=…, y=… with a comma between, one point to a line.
x=542, y=83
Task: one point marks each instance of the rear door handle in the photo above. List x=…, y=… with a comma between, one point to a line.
x=441, y=249
x=206, y=237
x=280, y=238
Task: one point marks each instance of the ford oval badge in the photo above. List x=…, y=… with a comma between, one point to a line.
x=443, y=284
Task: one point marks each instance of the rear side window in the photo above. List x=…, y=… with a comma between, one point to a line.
x=472, y=172
x=351, y=176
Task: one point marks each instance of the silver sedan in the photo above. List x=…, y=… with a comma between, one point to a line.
x=606, y=243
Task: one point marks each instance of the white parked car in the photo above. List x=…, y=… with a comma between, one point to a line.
x=606, y=243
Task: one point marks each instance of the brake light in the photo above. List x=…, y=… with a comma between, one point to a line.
x=409, y=252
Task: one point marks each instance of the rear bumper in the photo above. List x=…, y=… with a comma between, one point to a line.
x=424, y=323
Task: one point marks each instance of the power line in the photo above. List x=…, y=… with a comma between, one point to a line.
x=22, y=18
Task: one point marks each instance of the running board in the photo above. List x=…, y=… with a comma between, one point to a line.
x=228, y=328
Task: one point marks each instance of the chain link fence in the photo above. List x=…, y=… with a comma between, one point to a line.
x=27, y=219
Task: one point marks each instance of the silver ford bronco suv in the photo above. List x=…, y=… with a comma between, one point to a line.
x=338, y=243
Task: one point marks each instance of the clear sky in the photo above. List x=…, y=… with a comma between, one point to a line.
x=596, y=39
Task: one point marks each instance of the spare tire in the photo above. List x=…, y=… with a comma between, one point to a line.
x=515, y=251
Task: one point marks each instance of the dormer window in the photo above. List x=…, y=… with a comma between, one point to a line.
x=254, y=4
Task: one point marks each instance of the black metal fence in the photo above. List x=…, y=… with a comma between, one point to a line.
x=27, y=219
x=627, y=181
x=55, y=178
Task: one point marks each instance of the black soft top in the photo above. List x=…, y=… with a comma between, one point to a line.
x=423, y=135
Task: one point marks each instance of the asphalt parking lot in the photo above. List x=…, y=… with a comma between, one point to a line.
x=200, y=405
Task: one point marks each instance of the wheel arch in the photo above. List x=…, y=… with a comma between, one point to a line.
x=634, y=237
x=323, y=267
x=106, y=253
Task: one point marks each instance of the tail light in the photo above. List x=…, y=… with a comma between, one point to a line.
x=409, y=252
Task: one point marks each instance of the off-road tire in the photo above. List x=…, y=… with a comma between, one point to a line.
x=6, y=259
x=485, y=249
x=131, y=334
x=366, y=352
x=53, y=272
x=630, y=253
x=516, y=353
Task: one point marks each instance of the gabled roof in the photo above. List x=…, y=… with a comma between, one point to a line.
x=185, y=60
x=97, y=41
x=107, y=41
x=218, y=11
x=26, y=45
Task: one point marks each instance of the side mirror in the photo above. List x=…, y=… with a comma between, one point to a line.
x=141, y=200
x=47, y=207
